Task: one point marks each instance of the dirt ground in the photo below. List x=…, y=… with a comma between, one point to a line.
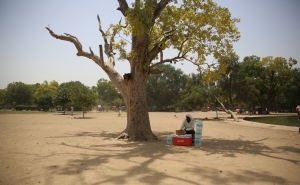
x=54, y=149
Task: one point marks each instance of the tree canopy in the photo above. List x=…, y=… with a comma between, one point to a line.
x=18, y=93
x=107, y=92
x=163, y=89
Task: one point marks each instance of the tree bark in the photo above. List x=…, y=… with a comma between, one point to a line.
x=82, y=111
x=138, y=124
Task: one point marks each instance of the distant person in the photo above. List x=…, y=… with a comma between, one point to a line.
x=188, y=125
x=298, y=112
x=72, y=111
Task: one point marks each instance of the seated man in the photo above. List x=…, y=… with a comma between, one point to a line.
x=188, y=125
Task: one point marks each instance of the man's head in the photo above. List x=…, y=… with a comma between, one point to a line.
x=188, y=117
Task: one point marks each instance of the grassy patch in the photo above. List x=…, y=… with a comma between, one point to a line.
x=282, y=120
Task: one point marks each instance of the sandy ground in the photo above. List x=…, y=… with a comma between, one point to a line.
x=64, y=150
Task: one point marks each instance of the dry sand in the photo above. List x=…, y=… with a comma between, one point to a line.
x=64, y=150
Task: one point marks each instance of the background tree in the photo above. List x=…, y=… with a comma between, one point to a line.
x=82, y=96
x=193, y=28
x=262, y=81
x=292, y=90
x=19, y=93
x=107, y=92
x=44, y=93
x=195, y=94
x=227, y=82
x=278, y=74
x=248, y=81
x=2, y=97
x=163, y=89
x=63, y=93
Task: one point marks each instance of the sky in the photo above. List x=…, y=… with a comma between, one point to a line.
x=30, y=55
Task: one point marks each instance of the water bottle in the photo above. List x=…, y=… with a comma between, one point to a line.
x=198, y=141
x=199, y=125
x=169, y=140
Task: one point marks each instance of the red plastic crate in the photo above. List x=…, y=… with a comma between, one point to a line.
x=183, y=141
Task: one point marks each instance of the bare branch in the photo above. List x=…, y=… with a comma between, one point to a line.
x=107, y=67
x=107, y=46
x=101, y=58
x=157, y=48
x=165, y=61
x=123, y=6
x=121, y=25
x=181, y=46
x=75, y=41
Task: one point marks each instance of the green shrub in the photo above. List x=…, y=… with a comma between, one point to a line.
x=177, y=109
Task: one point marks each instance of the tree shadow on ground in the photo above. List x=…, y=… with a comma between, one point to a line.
x=230, y=148
x=84, y=117
x=153, y=151
x=242, y=177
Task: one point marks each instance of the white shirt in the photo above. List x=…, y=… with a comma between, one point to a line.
x=187, y=126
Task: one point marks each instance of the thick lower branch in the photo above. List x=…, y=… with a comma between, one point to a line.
x=114, y=76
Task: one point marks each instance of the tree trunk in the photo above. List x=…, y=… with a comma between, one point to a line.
x=228, y=111
x=138, y=124
x=82, y=111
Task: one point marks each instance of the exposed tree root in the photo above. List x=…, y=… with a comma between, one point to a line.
x=123, y=135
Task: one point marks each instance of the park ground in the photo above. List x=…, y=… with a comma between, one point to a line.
x=53, y=149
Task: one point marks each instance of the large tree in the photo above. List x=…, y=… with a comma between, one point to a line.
x=193, y=29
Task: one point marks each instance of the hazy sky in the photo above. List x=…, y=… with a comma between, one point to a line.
x=30, y=55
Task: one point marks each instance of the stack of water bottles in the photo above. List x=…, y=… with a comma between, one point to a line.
x=198, y=133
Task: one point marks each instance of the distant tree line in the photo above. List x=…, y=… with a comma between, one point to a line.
x=253, y=84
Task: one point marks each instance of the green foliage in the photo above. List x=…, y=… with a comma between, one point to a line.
x=46, y=88
x=258, y=82
x=119, y=102
x=177, y=109
x=107, y=91
x=195, y=28
x=74, y=94
x=44, y=101
x=163, y=89
x=3, y=97
x=228, y=81
x=18, y=92
x=82, y=96
x=196, y=93
x=44, y=93
x=62, y=95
